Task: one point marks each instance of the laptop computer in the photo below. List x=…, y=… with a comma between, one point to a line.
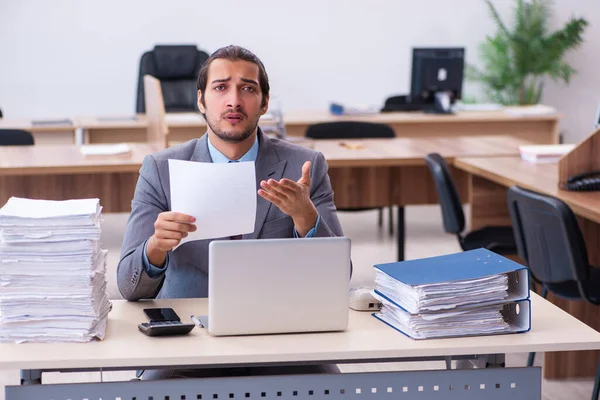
x=265, y=286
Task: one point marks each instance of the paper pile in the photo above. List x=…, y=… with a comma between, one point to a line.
x=52, y=271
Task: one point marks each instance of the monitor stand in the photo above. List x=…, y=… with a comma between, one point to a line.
x=442, y=104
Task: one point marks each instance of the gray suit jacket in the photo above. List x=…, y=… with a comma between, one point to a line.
x=186, y=274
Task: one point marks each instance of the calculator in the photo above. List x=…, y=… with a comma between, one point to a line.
x=164, y=322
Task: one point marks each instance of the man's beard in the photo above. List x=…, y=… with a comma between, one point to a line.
x=229, y=136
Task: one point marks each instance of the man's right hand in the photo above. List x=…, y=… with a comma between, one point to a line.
x=170, y=227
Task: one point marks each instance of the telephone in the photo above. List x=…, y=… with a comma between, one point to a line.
x=587, y=181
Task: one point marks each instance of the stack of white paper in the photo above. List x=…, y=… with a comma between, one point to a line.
x=544, y=153
x=478, y=320
x=445, y=295
x=104, y=149
x=52, y=271
x=530, y=111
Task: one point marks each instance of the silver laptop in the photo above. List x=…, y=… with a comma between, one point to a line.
x=278, y=286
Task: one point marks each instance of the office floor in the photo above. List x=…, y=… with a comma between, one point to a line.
x=370, y=245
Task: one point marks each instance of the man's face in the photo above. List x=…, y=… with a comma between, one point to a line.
x=232, y=99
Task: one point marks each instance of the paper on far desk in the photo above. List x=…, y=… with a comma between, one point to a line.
x=222, y=197
x=104, y=149
x=188, y=117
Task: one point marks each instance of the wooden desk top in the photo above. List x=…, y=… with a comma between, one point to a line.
x=291, y=118
x=410, y=151
x=366, y=338
x=543, y=178
x=27, y=125
x=312, y=117
x=67, y=159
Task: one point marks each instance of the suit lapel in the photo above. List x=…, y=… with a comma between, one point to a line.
x=201, y=153
x=268, y=166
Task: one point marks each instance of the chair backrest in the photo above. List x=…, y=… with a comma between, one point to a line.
x=0, y=113
x=396, y=100
x=176, y=67
x=549, y=240
x=349, y=130
x=15, y=137
x=450, y=203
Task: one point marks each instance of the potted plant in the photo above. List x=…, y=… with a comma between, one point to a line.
x=515, y=60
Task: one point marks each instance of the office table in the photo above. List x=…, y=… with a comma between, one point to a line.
x=489, y=180
x=186, y=126
x=61, y=172
x=366, y=340
x=364, y=173
x=48, y=133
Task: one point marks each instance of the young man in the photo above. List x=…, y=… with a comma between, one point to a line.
x=295, y=198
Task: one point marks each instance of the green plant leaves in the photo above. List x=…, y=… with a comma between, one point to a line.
x=516, y=59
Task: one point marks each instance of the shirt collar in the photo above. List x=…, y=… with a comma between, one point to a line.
x=219, y=157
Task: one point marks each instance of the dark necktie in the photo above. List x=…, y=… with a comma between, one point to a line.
x=236, y=237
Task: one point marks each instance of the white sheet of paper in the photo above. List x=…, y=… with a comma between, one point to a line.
x=104, y=149
x=183, y=117
x=34, y=208
x=222, y=197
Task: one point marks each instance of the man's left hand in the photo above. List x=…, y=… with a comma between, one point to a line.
x=293, y=199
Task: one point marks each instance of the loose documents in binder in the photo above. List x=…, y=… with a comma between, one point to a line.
x=475, y=292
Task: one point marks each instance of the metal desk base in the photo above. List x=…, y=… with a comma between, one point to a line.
x=483, y=377
x=488, y=384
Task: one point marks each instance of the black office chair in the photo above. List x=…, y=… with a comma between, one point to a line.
x=401, y=103
x=550, y=241
x=15, y=137
x=499, y=239
x=0, y=113
x=176, y=67
x=354, y=130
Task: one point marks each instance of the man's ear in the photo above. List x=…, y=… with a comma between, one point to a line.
x=265, y=106
x=200, y=103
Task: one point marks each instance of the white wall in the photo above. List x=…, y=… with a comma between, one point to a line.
x=68, y=57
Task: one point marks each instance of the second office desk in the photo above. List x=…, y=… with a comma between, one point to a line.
x=364, y=173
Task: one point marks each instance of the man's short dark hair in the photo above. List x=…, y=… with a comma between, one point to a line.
x=234, y=53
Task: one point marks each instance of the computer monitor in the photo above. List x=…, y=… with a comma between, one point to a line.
x=436, y=70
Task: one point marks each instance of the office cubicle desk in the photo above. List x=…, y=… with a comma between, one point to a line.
x=61, y=172
x=43, y=134
x=364, y=173
x=489, y=180
x=366, y=340
x=537, y=129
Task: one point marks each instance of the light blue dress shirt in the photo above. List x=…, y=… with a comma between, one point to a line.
x=217, y=157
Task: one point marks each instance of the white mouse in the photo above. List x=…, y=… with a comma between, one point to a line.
x=361, y=299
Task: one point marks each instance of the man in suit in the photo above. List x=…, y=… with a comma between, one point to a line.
x=295, y=198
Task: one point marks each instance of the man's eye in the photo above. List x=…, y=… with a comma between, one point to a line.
x=219, y=88
x=249, y=89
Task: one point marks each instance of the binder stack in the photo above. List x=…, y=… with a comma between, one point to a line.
x=475, y=292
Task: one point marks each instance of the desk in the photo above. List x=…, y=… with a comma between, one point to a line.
x=45, y=133
x=538, y=129
x=489, y=180
x=366, y=340
x=364, y=173
x=61, y=172
x=186, y=126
